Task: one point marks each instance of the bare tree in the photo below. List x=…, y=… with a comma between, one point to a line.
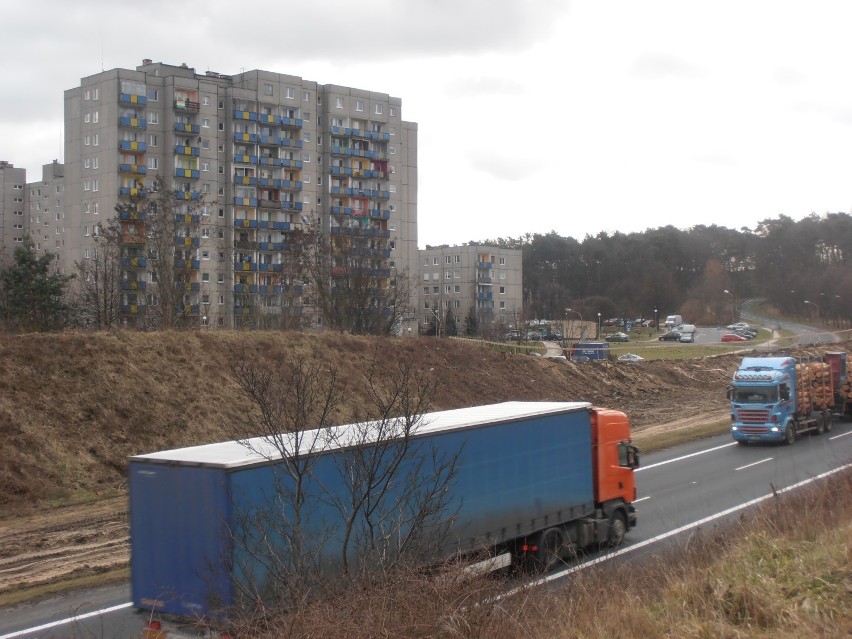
x=98, y=287
x=352, y=285
x=350, y=502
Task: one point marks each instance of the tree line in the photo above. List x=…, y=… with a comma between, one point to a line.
x=804, y=268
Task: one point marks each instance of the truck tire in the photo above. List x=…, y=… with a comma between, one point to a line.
x=829, y=419
x=820, y=424
x=790, y=435
x=617, y=529
x=547, y=553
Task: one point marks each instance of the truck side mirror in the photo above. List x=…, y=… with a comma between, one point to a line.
x=633, y=457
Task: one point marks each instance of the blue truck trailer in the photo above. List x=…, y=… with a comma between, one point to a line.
x=533, y=480
x=776, y=399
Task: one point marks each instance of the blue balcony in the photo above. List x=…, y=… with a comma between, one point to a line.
x=292, y=122
x=187, y=218
x=187, y=195
x=268, y=118
x=245, y=266
x=193, y=174
x=134, y=262
x=245, y=224
x=132, y=216
x=245, y=115
x=136, y=169
x=341, y=170
x=291, y=206
x=132, y=191
x=134, y=309
x=133, y=123
x=245, y=159
x=128, y=145
x=133, y=285
x=292, y=164
x=485, y=265
x=126, y=98
x=187, y=150
x=191, y=287
x=187, y=264
x=188, y=242
x=245, y=201
x=188, y=309
x=187, y=128
x=245, y=180
x=251, y=138
x=270, y=161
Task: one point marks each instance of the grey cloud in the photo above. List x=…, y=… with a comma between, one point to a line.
x=658, y=65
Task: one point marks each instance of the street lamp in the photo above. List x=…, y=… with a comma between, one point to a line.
x=598, y=336
x=437, y=321
x=656, y=321
x=571, y=310
x=733, y=318
x=814, y=304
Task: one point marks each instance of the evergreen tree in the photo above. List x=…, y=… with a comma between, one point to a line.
x=31, y=297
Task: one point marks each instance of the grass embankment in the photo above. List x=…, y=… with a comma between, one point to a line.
x=781, y=570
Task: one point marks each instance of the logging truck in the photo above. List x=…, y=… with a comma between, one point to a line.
x=776, y=399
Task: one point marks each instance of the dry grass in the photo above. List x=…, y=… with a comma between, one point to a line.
x=780, y=571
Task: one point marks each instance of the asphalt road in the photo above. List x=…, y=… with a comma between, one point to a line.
x=696, y=485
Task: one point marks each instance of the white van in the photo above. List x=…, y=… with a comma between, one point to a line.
x=673, y=321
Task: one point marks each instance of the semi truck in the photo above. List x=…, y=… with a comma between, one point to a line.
x=776, y=399
x=534, y=482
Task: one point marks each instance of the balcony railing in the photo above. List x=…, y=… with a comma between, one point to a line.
x=180, y=149
x=134, y=309
x=138, y=169
x=126, y=98
x=182, y=104
x=134, y=285
x=135, y=123
x=192, y=174
x=245, y=159
x=188, y=242
x=187, y=195
x=132, y=191
x=134, y=262
x=181, y=127
x=128, y=145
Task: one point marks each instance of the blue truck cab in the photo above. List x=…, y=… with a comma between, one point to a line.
x=763, y=399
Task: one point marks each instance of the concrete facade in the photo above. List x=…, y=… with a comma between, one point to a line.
x=478, y=279
x=14, y=223
x=251, y=158
x=46, y=210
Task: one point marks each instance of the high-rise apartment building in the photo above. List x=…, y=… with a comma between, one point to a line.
x=484, y=282
x=251, y=159
x=46, y=206
x=14, y=224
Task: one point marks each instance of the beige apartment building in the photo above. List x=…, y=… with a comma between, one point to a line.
x=14, y=223
x=482, y=281
x=250, y=159
x=46, y=210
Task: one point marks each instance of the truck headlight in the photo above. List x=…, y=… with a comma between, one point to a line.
x=734, y=428
x=774, y=429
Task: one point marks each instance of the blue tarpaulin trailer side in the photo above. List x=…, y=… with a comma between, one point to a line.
x=521, y=466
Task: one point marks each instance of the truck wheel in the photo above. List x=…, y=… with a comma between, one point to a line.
x=617, y=528
x=550, y=549
x=829, y=419
x=790, y=435
x=820, y=424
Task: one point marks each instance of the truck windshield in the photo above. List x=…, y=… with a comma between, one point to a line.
x=764, y=395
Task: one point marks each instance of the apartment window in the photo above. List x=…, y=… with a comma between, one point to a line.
x=392, y=188
x=95, y=117
x=306, y=157
x=306, y=136
x=95, y=139
x=359, y=105
x=95, y=206
x=221, y=126
x=221, y=191
x=306, y=96
x=87, y=163
x=502, y=306
x=391, y=149
x=502, y=290
x=205, y=123
x=456, y=274
x=306, y=179
x=94, y=185
x=153, y=95
x=86, y=231
x=86, y=208
x=205, y=188
x=221, y=212
x=448, y=275
x=221, y=169
x=393, y=112
x=290, y=94
x=153, y=163
x=379, y=109
x=221, y=278
x=85, y=251
x=338, y=103
x=456, y=289
x=446, y=259
x=94, y=163
x=205, y=232
x=425, y=277
x=87, y=186
x=205, y=166
x=392, y=131
x=457, y=259
x=205, y=100
x=152, y=139
x=87, y=118
x=221, y=297
x=221, y=148
x=267, y=89
x=434, y=260
x=502, y=261
x=205, y=255
x=205, y=144
x=435, y=289
x=391, y=168
x=447, y=289
x=87, y=95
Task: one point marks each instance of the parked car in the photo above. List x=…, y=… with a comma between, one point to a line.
x=671, y=336
x=687, y=338
x=581, y=359
x=748, y=334
x=733, y=337
x=618, y=337
x=648, y=323
x=631, y=357
x=738, y=325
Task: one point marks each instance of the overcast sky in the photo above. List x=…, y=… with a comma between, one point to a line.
x=575, y=116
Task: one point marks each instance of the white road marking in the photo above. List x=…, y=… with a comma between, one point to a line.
x=672, y=533
x=841, y=435
x=636, y=501
x=670, y=461
x=62, y=622
x=762, y=461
